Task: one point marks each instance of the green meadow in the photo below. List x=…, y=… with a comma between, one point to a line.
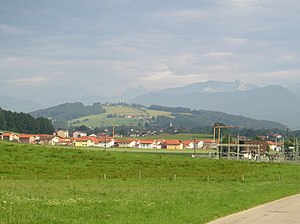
x=42, y=184
x=118, y=119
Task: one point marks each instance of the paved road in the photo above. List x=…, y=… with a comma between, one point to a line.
x=282, y=211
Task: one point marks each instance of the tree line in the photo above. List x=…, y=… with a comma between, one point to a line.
x=24, y=123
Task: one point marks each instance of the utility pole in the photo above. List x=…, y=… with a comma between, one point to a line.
x=228, y=147
x=195, y=147
x=297, y=150
x=105, y=135
x=238, y=147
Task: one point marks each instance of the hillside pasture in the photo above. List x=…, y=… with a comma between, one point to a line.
x=66, y=185
x=115, y=115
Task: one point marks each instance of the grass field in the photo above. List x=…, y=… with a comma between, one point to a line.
x=66, y=185
x=102, y=120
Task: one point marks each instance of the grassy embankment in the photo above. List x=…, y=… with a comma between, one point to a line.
x=66, y=185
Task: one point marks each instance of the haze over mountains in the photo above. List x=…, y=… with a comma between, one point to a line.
x=17, y=104
x=274, y=103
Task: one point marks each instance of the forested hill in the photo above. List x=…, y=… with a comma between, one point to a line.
x=69, y=111
x=24, y=123
x=185, y=117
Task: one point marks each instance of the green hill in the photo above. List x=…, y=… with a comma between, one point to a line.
x=119, y=115
x=68, y=111
x=274, y=103
x=100, y=115
x=24, y=123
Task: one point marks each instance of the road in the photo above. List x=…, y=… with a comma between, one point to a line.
x=286, y=210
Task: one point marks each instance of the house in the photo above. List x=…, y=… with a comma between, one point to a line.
x=146, y=144
x=209, y=144
x=106, y=142
x=26, y=138
x=263, y=145
x=43, y=139
x=79, y=134
x=173, y=144
x=1, y=135
x=63, y=133
x=275, y=146
x=192, y=144
x=11, y=137
x=57, y=140
x=82, y=142
x=125, y=143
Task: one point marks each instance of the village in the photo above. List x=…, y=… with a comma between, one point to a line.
x=81, y=139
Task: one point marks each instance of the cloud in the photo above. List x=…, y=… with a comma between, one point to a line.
x=182, y=15
x=107, y=45
x=167, y=79
x=288, y=58
x=5, y=28
x=245, y=4
x=279, y=77
x=159, y=76
x=28, y=81
x=235, y=41
x=222, y=68
x=218, y=54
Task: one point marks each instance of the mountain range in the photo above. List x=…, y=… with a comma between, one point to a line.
x=274, y=102
x=209, y=87
x=18, y=105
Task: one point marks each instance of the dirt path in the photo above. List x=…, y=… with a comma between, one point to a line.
x=286, y=210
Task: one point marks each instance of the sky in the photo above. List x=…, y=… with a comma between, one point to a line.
x=104, y=47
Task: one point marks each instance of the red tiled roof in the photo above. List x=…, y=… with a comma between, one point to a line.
x=79, y=139
x=43, y=135
x=208, y=140
x=144, y=141
x=173, y=142
x=25, y=135
x=124, y=140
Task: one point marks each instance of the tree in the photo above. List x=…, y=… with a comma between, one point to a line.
x=24, y=123
x=2, y=121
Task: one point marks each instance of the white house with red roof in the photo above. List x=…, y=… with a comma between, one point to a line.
x=191, y=144
x=147, y=144
x=125, y=143
x=43, y=139
x=10, y=136
x=26, y=138
x=173, y=144
x=106, y=142
x=275, y=146
x=79, y=134
x=209, y=144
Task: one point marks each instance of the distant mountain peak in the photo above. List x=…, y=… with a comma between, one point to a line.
x=272, y=102
x=210, y=86
x=133, y=92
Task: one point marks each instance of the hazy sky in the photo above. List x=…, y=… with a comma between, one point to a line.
x=104, y=47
